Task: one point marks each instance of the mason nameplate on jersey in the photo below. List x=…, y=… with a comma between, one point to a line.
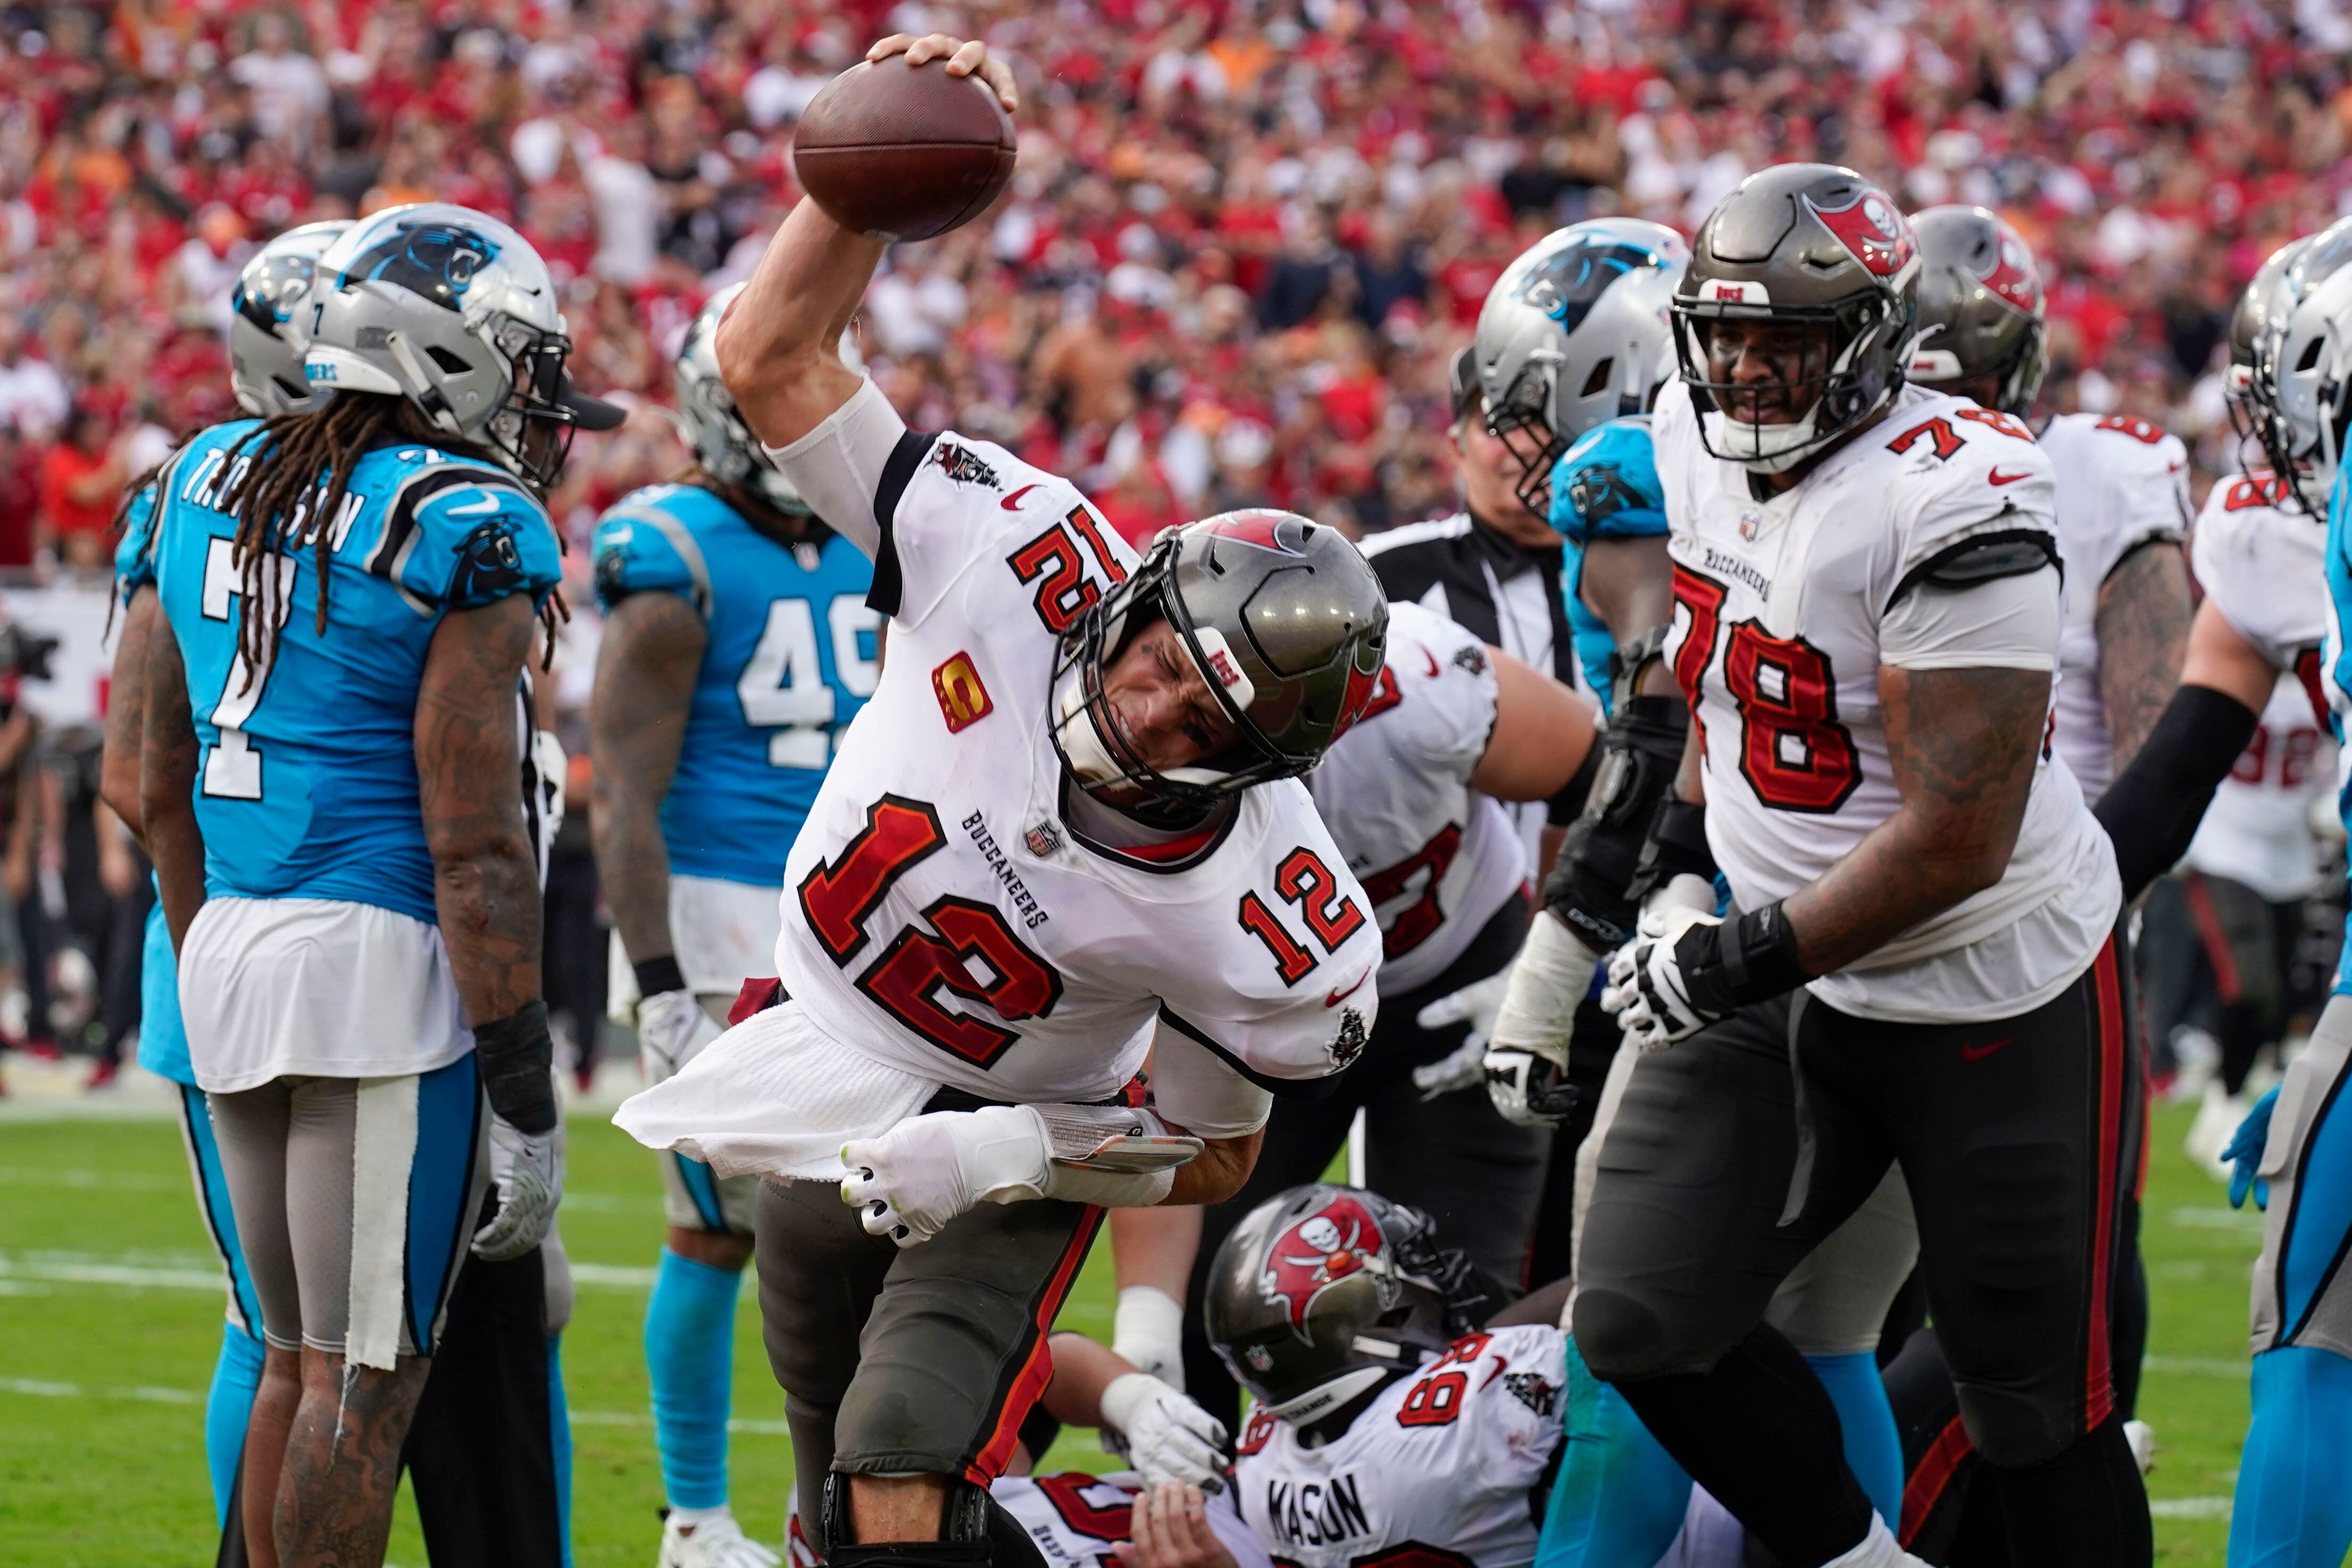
x=963, y=700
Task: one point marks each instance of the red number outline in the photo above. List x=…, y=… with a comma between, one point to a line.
x=1414, y=922
x=1937, y=429
x=1064, y=591
x=2133, y=425
x=907, y=833
x=1833, y=770
x=1291, y=960
x=1993, y=418
x=1303, y=879
x=1703, y=597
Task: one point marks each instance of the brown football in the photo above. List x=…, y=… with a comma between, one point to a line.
x=902, y=151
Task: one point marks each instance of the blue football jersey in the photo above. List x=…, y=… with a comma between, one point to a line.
x=307, y=787
x=2335, y=665
x=134, y=557
x=1605, y=486
x=793, y=657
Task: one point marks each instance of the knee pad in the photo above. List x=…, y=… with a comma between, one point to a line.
x=1620, y=1338
x=2014, y=1431
x=975, y=1532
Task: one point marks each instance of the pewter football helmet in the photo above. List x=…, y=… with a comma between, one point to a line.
x=1981, y=310
x=1800, y=245
x=2303, y=367
x=1572, y=335
x=722, y=442
x=1284, y=619
x=455, y=311
x=1323, y=1291
x=269, y=328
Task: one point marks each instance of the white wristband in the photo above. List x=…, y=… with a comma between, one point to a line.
x=1148, y=1318
x=1553, y=972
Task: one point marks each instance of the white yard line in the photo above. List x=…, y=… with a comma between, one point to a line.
x=38, y=1388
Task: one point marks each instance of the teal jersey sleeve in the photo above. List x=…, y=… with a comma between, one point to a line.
x=134, y=558
x=476, y=536
x=1605, y=486
x=643, y=546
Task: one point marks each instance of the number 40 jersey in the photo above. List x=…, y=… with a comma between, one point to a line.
x=1924, y=542
x=792, y=658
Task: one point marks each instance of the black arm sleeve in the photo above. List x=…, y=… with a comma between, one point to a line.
x=2152, y=811
x=1589, y=885
x=516, y=1058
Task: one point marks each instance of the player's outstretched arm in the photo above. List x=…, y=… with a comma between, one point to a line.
x=1963, y=744
x=779, y=347
x=1165, y=1435
x=167, y=782
x=1630, y=584
x=2152, y=810
x=645, y=666
x=1542, y=736
x=126, y=713
x=2143, y=621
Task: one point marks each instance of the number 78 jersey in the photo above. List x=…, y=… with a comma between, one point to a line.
x=1785, y=609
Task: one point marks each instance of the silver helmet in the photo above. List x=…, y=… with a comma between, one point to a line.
x=2254, y=321
x=1981, y=309
x=1572, y=335
x=1810, y=247
x=1322, y=1292
x=2302, y=382
x=722, y=442
x=1284, y=620
x=268, y=331
x=455, y=311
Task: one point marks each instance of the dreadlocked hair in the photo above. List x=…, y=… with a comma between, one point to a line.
x=297, y=470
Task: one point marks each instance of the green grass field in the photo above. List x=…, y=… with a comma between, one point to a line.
x=110, y=1320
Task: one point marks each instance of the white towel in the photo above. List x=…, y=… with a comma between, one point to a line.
x=776, y=1096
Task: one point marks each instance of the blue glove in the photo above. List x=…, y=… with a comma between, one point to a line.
x=2245, y=1152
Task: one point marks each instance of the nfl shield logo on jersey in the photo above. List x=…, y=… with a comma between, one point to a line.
x=1041, y=839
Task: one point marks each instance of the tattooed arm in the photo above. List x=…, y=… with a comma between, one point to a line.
x=2143, y=627
x=126, y=712
x=468, y=774
x=1963, y=744
x=167, y=781
x=645, y=666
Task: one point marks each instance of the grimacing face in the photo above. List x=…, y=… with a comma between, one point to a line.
x=1161, y=704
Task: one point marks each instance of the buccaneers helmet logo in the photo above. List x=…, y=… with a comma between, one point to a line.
x=1871, y=230
x=1326, y=1246
x=2013, y=278
x=1274, y=530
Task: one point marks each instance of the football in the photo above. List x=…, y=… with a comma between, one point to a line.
x=899, y=152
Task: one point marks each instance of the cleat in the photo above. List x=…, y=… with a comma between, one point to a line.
x=713, y=1540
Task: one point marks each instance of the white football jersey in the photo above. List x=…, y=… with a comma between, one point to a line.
x=2264, y=567
x=1779, y=607
x=1438, y=1468
x=943, y=911
x=2122, y=483
x=2257, y=829
x=1436, y=858
x=1078, y=1519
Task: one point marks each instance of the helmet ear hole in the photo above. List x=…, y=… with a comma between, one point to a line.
x=1602, y=370
x=2310, y=356
x=445, y=362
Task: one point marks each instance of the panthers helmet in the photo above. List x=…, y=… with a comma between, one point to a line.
x=1323, y=1291
x=2303, y=367
x=455, y=311
x=1981, y=308
x=268, y=331
x=1572, y=335
x=2260, y=312
x=1283, y=616
x=723, y=444
x=1809, y=245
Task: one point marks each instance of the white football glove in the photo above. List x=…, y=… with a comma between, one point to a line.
x=1147, y=1334
x=672, y=1029
x=908, y=1183
x=1646, y=989
x=527, y=1172
x=1528, y=1090
x=1168, y=1437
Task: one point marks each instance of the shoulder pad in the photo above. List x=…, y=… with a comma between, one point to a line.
x=462, y=535
x=643, y=546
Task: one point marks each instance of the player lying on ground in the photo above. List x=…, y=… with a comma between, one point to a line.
x=1066, y=832
x=737, y=646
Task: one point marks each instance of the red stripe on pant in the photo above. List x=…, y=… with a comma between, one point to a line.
x=1932, y=1476
x=2216, y=941
x=2098, y=1393
x=1037, y=1367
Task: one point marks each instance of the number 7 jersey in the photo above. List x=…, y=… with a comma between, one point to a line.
x=1783, y=610
x=946, y=908
x=306, y=787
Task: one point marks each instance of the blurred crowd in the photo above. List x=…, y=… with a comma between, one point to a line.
x=1244, y=239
